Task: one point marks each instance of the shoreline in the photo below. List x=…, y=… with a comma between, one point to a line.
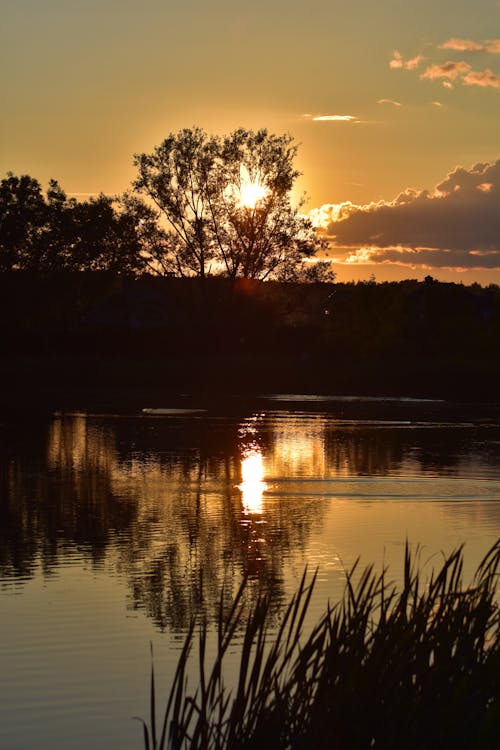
x=61, y=382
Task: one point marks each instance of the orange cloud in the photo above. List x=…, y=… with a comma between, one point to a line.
x=462, y=45
x=483, y=78
x=467, y=45
x=389, y=101
x=454, y=71
x=462, y=71
x=493, y=45
x=398, y=63
x=455, y=226
x=449, y=70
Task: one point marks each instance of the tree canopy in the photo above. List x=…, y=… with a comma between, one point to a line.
x=226, y=205
x=51, y=232
x=201, y=205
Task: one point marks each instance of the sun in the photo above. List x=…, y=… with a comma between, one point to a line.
x=251, y=190
x=251, y=194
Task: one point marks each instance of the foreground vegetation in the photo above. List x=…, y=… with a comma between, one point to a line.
x=417, y=668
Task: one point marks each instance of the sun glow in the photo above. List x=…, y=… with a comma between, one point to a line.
x=253, y=485
x=251, y=190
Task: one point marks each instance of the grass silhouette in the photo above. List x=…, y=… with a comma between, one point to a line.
x=417, y=667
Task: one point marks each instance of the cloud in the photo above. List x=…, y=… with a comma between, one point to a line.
x=457, y=71
x=461, y=71
x=483, y=78
x=449, y=70
x=398, y=63
x=389, y=101
x=425, y=258
x=467, y=45
x=455, y=226
x=335, y=118
x=462, y=45
x=493, y=45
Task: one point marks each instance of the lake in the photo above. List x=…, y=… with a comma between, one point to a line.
x=118, y=528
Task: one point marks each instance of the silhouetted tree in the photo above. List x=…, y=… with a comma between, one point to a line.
x=106, y=239
x=23, y=215
x=227, y=204
x=55, y=233
x=161, y=251
x=320, y=271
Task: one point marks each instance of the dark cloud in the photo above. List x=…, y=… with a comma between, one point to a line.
x=455, y=226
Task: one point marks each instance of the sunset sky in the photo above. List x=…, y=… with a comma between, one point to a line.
x=395, y=105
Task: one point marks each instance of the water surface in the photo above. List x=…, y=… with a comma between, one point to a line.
x=117, y=529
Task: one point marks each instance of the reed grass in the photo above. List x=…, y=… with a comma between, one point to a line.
x=415, y=668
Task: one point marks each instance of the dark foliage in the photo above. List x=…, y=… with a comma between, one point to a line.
x=417, y=668
x=52, y=233
x=203, y=187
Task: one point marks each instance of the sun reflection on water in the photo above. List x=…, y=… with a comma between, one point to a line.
x=253, y=485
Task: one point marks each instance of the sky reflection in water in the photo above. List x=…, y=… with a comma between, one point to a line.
x=118, y=529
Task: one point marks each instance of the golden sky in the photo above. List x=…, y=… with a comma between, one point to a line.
x=387, y=100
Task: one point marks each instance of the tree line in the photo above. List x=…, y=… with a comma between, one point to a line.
x=201, y=205
x=411, y=337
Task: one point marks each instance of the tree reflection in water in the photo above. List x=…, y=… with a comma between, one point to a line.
x=184, y=507
x=162, y=504
x=57, y=490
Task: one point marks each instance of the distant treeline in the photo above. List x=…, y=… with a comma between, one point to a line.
x=409, y=337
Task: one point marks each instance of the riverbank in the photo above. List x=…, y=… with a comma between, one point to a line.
x=102, y=382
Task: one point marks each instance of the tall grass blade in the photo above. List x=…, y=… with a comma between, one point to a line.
x=417, y=667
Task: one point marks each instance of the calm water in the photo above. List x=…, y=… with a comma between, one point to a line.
x=115, y=529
